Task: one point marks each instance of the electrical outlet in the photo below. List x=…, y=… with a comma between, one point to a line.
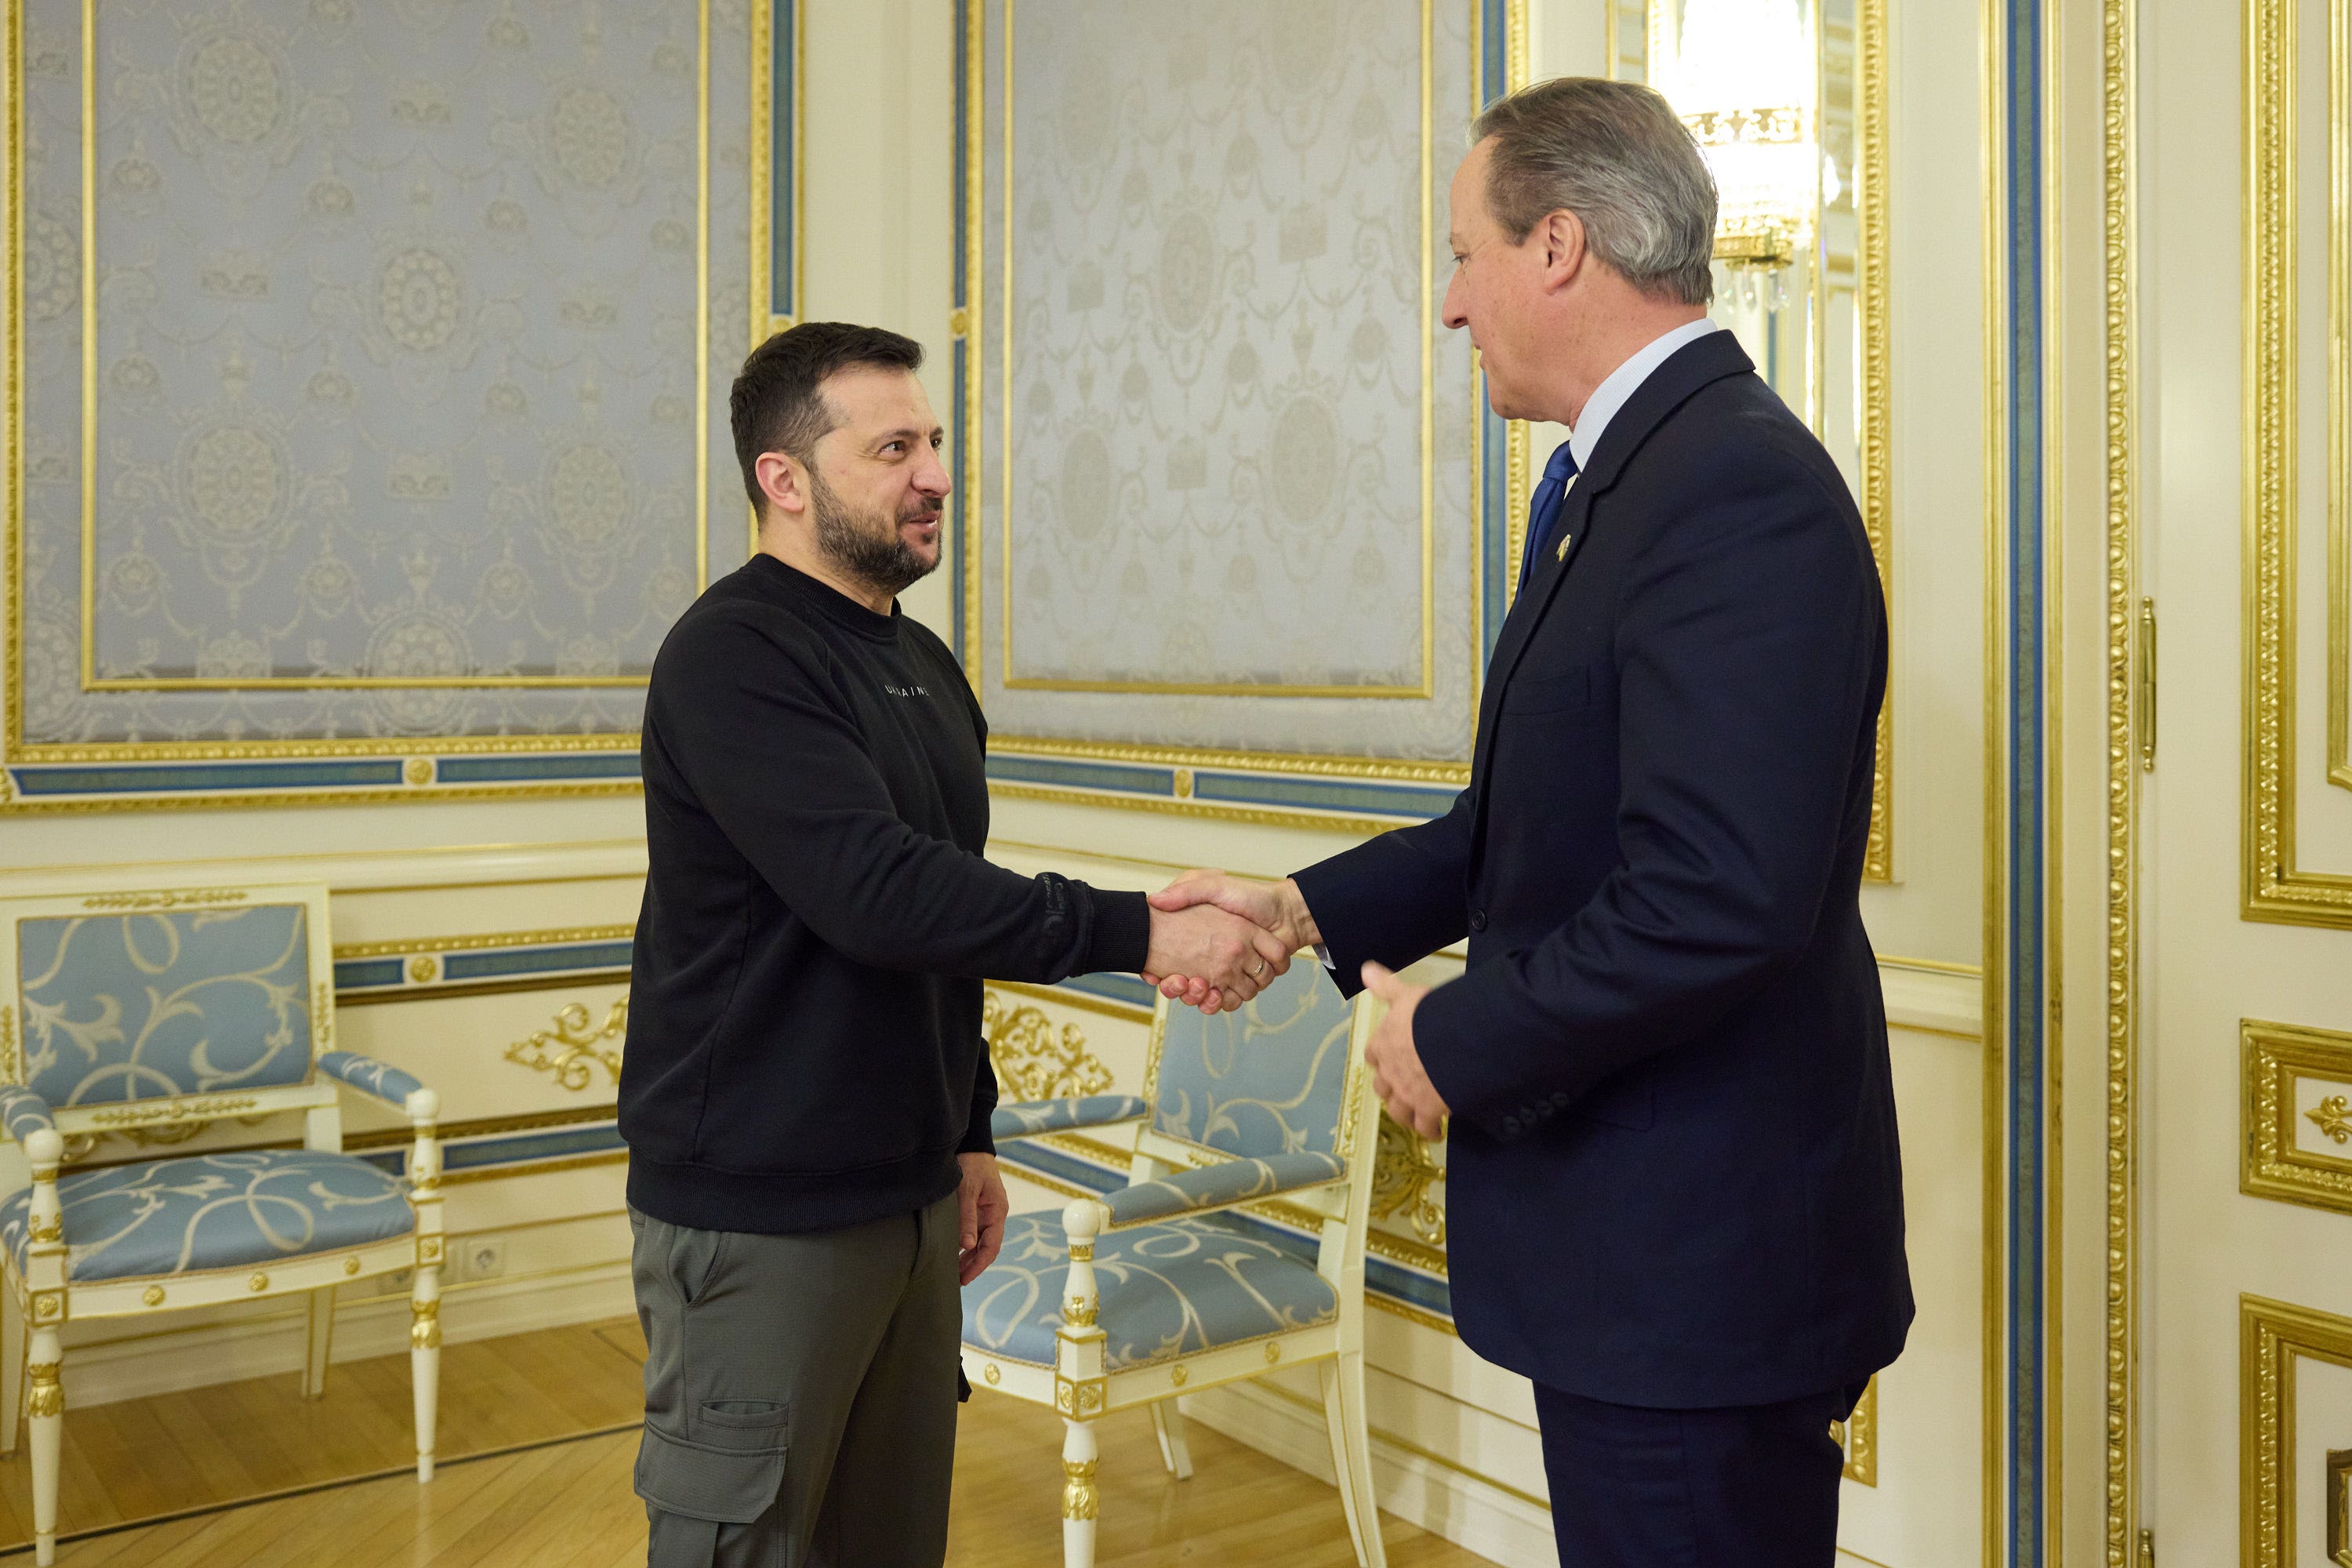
x=482, y=1257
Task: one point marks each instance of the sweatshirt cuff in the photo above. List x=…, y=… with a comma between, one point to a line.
x=1121, y=938
x=980, y=1136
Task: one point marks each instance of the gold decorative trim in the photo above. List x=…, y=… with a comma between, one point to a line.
x=2339, y=1506
x=1078, y=1313
x=1858, y=1435
x=1127, y=1012
x=400, y=1137
x=130, y=1118
x=1875, y=335
x=2274, y=886
x=1402, y=1174
x=2274, y=1056
x=188, y=899
x=40, y=1232
x=568, y=1047
x=2272, y=1335
x=1310, y=764
x=968, y=325
x=48, y=1395
x=153, y=1295
x=1080, y=1399
x=560, y=936
x=1081, y=1498
x=1031, y=1060
x=424, y=1325
x=2120, y=1330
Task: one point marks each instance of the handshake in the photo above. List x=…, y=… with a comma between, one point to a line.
x=1218, y=940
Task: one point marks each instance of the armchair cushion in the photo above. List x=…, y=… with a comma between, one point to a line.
x=369, y=1076
x=24, y=1112
x=1025, y=1117
x=1165, y=1291
x=1219, y=1185
x=237, y=1210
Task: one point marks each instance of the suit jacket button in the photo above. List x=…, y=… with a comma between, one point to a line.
x=1477, y=920
x=1561, y=1099
x=1510, y=1127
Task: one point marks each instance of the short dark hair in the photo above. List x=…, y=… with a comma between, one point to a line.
x=776, y=406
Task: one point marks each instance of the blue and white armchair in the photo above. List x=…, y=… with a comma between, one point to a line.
x=154, y=1013
x=1154, y=1289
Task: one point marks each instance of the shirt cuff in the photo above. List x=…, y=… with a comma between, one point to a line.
x=1323, y=956
x=1122, y=938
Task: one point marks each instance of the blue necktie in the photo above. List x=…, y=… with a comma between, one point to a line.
x=1543, y=508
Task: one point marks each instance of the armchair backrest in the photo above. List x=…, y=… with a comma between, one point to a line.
x=115, y=997
x=1279, y=1076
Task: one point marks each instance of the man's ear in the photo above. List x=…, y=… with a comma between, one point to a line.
x=1561, y=234
x=781, y=480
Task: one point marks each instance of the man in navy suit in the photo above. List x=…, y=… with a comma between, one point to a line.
x=1673, y=1186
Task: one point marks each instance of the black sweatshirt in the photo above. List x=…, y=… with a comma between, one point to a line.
x=804, y=1043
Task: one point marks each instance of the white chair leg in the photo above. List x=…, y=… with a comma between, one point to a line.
x=47, y=1408
x=1081, y=1496
x=321, y=1343
x=1351, y=1454
x=1168, y=1426
x=425, y=1361
x=12, y=1369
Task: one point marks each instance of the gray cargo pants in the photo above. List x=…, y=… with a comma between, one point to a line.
x=800, y=1393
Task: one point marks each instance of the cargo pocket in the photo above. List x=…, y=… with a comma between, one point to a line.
x=730, y=1485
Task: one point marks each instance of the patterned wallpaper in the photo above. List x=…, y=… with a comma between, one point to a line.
x=396, y=386
x=1213, y=255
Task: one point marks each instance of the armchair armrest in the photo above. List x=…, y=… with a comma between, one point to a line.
x=1026, y=1118
x=24, y=1112
x=380, y=1079
x=1219, y=1186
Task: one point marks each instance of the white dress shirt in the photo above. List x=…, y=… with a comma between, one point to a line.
x=1610, y=395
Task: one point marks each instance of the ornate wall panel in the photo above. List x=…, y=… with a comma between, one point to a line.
x=1231, y=519
x=2297, y=857
x=368, y=369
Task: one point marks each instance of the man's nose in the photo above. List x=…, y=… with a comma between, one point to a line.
x=1453, y=314
x=931, y=477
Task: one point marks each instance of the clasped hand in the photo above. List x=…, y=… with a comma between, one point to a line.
x=1279, y=913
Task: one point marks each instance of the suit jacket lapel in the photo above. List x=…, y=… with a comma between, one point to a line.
x=1694, y=365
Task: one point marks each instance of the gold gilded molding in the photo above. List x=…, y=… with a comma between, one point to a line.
x=1081, y=1498
x=417, y=771
x=47, y=1396
x=190, y=899
x=2274, y=1056
x=2120, y=1328
x=130, y=1117
x=1425, y=687
x=2274, y=886
x=1031, y=1060
x=2272, y=1335
x=971, y=327
x=2333, y=1117
x=1858, y=1435
x=1403, y=1172
x=1875, y=335
x=570, y=1048
x=90, y=679
x=1126, y=1012
x=424, y=1325
x=2339, y=403
x=560, y=936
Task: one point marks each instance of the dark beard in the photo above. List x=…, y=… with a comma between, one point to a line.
x=865, y=549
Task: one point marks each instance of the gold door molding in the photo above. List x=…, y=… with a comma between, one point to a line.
x=2277, y=1161
x=2272, y=1336
x=2276, y=887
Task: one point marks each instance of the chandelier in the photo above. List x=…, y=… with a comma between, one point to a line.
x=1742, y=76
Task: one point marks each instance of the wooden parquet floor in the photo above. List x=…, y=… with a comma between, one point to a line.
x=551, y=1488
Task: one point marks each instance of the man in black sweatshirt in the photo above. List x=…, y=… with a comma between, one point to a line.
x=806, y=1091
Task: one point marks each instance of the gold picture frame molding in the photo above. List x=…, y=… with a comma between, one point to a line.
x=2272, y=1335
x=1425, y=688
x=2274, y=886
x=419, y=752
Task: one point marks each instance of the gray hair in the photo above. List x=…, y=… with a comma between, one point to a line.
x=1616, y=155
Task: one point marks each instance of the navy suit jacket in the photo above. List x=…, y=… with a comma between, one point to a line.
x=1672, y=1175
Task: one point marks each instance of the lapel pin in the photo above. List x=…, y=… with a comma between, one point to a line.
x=1565, y=540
